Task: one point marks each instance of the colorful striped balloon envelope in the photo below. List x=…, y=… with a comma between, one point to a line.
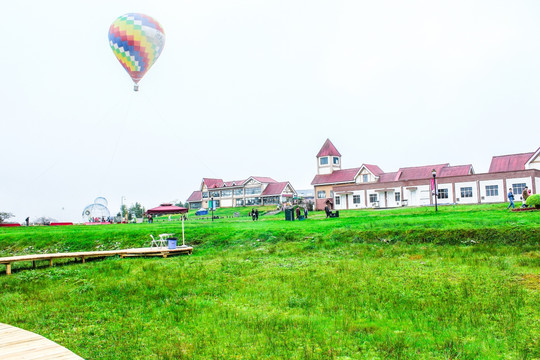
x=137, y=41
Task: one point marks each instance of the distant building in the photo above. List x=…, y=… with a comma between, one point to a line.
x=369, y=186
x=306, y=195
x=253, y=191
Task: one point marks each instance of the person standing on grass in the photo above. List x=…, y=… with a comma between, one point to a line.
x=305, y=212
x=524, y=196
x=298, y=212
x=511, y=199
x=257, y=214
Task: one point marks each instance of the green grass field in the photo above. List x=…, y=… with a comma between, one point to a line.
x=395, y=284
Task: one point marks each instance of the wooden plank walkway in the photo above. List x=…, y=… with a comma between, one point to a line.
x=16, y=344
x=83, y=255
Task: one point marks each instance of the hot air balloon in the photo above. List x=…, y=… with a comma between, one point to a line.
x=137, y=41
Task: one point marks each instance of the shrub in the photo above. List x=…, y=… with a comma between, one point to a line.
x=534, y=200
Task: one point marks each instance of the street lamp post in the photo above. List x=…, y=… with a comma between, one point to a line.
x=434, y=173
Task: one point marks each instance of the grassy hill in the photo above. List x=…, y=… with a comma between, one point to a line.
x=462, y=283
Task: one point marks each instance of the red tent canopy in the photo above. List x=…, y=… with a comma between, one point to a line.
x=167, y=209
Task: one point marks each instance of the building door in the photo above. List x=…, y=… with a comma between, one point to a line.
x=413, y=197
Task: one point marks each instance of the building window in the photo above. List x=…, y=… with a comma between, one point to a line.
x=214, y=194
x=356, y=199
x=492, y=190
x=336, y=160
x=321, y=194
x=323, y=161
x=226, y=193
x=442, y=193
x=518, y=188
x=253, y=191
x=365, y=178
x=239, y=202
x=238, y=192
x=271, y=200
x=338, y=200
x=195, y=205
x=466, y=192
x=397, y=196
x=373, y=198
x=205, y=194
x=253, y=201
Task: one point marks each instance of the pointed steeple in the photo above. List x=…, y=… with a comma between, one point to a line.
x=328, y=149
x=328, y=159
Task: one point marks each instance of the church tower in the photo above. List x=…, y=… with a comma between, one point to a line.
x=328, y=159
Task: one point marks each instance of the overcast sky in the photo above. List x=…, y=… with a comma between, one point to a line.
x=251, y=87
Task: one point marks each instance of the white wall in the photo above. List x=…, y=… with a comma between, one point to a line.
x=424, y=195
x=225, y=203
x=450, y=199
x=470, y=200
x=491, y=199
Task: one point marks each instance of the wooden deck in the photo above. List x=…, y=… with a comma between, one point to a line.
x=83, y=255
x=18, y=344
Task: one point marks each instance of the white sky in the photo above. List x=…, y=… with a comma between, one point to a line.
x=250, y=87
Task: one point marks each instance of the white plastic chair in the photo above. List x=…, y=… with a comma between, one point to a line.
x=157, y=243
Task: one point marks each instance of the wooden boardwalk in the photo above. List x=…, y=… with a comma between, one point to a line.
x=16, y=344
x=83, y=255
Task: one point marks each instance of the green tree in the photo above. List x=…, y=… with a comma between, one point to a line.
x=137, y=210
x=4, y=216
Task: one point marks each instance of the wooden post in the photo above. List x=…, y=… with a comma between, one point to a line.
x=8, y=269
x=50, y=262
x=83, y=260
x=33, y=264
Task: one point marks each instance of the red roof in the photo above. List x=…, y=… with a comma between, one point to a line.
x=509, y=162
x=275, y=188
x=213, y=183
x=338, y=176
x=263, y=179
x=459, y=170
x=233, y=183
x=328, y=149
x=374, y=169
x=195, y=196
x=420, y=172
x=389, y=177
x=167, y=209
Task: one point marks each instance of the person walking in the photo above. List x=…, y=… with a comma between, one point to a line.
x=257, y=214
x=511, y=199
x=524, y=196
x=305, y=212
x=298, y=212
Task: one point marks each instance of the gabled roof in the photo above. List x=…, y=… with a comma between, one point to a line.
x=262, y=179
x=233, y=183
x=337, y=177
x=419, y=172
x=458, y=170
x=533, y=157
x=328, y=149
x=212, y=183
x=374, y=169
x=509, y=162
x=195, y=196
x=275, y=188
